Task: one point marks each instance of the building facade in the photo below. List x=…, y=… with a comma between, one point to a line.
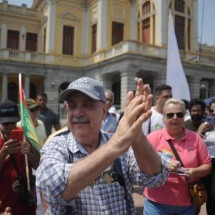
x=114, y=41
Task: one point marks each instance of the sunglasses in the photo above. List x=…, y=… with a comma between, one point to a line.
x=178, y=114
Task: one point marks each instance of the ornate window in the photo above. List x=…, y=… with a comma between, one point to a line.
x=117, y=32
x=12, y=39
x=146, y=23
x=31, y=42
x=179, y=6
x=146, y=30
x=180, y=31
x=68, y=40
x=146, y=8
x=182, y=18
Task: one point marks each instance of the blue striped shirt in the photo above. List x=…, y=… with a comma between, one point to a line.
x=97, y=198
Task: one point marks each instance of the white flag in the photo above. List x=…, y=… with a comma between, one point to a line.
x=175, y=76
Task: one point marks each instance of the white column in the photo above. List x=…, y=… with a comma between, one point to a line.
x=195, y=86
x=133, y=20
x=50, y=39
x=3, y=35
x=4, y=86
x=102, y=25
x=127, y=84
x=22, y=38
x=39, y=40
x=161, y=23
x=27, y=86
x=85, y=32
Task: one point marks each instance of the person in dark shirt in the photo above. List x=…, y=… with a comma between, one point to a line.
x=46, y=115
x=196, y=122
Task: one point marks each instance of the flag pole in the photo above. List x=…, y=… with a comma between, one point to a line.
x=30, y=133
x=27, y=173
x=27, y=169
x=25, y=155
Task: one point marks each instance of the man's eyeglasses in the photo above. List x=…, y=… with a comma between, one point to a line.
x=178, y=114
x=34, y=109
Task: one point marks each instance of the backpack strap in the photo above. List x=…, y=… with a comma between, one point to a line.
x=117, y=167
x=66, y=134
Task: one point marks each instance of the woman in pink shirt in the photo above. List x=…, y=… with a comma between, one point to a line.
x=173, y=197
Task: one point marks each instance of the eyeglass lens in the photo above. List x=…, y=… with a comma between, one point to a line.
x=178, y=114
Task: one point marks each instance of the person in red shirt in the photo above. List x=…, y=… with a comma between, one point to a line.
x=12, y=158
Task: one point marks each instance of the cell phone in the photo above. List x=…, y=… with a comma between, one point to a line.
x=211, y=120
x=17, y=135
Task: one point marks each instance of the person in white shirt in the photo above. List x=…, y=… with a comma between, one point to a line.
x=39, y=126
x=155, y=122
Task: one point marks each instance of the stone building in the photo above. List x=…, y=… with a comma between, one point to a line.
x=114, y=41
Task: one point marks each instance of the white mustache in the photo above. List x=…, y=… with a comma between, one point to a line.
x=79, y=120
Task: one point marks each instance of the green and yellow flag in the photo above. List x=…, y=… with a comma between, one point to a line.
x=26, y=121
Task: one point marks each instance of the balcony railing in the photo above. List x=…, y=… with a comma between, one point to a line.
x=125, y=47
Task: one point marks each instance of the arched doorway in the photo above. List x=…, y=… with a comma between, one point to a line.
x=13, y=92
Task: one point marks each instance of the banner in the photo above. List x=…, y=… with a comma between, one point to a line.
x=175, y=76
x=26, y=121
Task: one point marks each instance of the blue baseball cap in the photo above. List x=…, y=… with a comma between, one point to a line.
x=86, y=85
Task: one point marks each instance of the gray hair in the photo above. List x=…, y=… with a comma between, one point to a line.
x=110, y=92
x=175, y=102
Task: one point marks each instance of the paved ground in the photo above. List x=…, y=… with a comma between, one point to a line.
x=138, y=200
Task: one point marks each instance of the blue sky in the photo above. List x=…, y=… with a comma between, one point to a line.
x=206, y=31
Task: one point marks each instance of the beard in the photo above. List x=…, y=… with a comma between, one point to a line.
x=196, y=118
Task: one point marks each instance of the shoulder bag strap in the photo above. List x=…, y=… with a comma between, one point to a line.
x=175, y=152
x=149, y=129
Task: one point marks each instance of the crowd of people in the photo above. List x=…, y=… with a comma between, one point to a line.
x=91, y=165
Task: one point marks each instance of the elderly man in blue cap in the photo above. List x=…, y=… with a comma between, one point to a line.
x=83, y=171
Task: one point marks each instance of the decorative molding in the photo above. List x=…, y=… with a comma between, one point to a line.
x=94, y=13
x=69, y=16
x=72, y=4
x=118, y=10
x=44, y=20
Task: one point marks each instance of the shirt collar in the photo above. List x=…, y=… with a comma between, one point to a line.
x=168, y=137
x=74, y=146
